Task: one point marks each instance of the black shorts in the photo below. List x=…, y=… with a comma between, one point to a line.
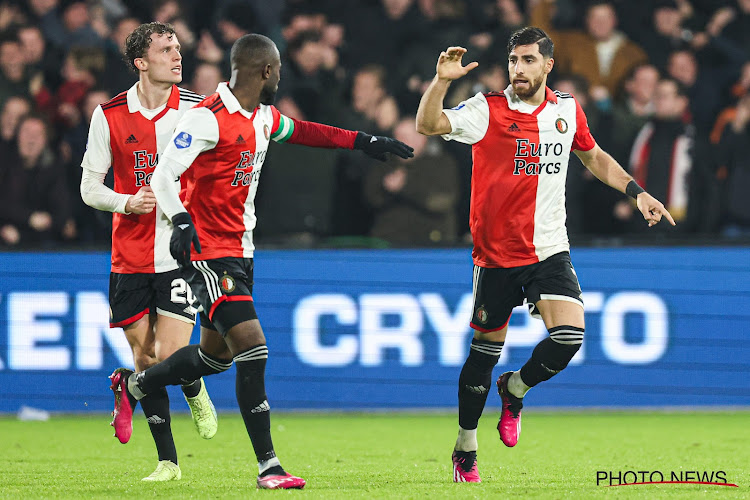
x=132, y=296
x=225, y=282
x=498, y=290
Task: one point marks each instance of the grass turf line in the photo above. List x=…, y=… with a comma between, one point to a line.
x=346, y=456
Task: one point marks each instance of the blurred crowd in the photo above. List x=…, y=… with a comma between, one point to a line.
x=664, y=84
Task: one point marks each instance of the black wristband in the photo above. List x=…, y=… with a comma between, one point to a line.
x=633, y=189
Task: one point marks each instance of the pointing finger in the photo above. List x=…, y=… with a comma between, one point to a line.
x=668, y=216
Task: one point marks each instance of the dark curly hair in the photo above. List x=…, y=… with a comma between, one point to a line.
x=138, y=42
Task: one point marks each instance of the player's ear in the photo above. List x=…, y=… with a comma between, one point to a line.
x=267, y=70
x=548, y=65
x=140, y=64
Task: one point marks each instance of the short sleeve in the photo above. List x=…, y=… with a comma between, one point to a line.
x=196, y=132
x=582, y=140
x=98, y=155
x=283, y=126
x=469, y=120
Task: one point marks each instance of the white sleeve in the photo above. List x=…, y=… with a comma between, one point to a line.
x=469, y=120
x=197, y=131
x=98, y=155
x=96, y=195
x=165, y=187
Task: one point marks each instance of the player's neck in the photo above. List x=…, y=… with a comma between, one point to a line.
x=248, y=98
x=152, y=95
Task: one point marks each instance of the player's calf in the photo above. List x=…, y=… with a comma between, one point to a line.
x=552, y=354
x=549, y=358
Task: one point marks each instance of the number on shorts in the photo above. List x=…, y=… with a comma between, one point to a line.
x=181, y=292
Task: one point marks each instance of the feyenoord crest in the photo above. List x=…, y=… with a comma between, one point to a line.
x=561, y=125
x=227, y=283
x=266, y=131
x=482, y=315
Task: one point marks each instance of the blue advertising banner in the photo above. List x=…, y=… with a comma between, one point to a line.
x=360, y=329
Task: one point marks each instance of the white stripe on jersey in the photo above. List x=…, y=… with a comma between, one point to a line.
x=550, y=235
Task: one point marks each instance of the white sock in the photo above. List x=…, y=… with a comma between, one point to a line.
x=267, y=464
x=467, y=440
x=516, y=385
x=134, y=389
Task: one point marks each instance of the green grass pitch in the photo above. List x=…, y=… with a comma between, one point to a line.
x=347, y=456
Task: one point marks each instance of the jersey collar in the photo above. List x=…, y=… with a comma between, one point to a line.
x=230, y=101
x=515, y=102
x=134, y=104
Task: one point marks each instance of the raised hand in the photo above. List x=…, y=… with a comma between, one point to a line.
x=449, y=64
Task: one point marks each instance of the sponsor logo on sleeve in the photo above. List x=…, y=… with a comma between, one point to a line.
x=183, y=140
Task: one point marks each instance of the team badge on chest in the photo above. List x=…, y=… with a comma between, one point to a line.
x=266, y=131
x=561, y=125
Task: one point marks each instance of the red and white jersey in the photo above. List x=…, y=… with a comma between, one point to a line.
x=130, y=138
x=222, y=148
x=520, y=155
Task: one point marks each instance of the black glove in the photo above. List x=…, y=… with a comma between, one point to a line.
x=377, y=146
x=183, y=234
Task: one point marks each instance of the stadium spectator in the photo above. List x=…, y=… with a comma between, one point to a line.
x=601, y=54
x=69, y=25
x=14, y=109
x=40, y=57
x=667, y=34
x=36, y=201
x=93, y=225
x=309, y=79
x=116, y=74
x=81, y=67
x=371, y=108
x=665, y=159
x=738, y=24
x=414, y=200
x=206, y=78
x=727, y=115
x=733, y=158
x=521, y=247
x=632, y=112
x=15, y=78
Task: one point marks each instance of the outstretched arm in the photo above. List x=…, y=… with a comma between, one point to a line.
x=430, y=117
x=318, y=135
x=607, y=170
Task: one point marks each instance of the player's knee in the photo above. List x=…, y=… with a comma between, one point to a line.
x=143, y=360
x=213, y=363
x=164, y=350
x=559, y=348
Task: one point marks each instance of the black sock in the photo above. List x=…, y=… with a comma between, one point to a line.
x=184, y=366
x=552, y=354
x=156, y=408
x=475, y=381
x=192, y=389
x=251, y=396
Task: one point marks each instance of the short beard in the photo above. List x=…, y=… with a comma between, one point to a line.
x=267, y=96
x=530, y=93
